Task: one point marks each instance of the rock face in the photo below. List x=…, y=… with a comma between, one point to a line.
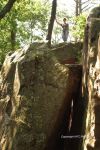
x=91, y=80
x=68, y=53
x=35, y=99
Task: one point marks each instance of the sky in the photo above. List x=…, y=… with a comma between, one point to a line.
x=69, y=5
x=66, y=5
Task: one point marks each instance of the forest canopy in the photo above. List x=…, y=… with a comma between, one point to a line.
x=23, y=22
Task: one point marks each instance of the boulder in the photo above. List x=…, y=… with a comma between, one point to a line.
x=36, y=92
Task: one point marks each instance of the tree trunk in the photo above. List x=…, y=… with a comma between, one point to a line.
x=76, y=11
x=13, y=35
x=80, y=7
x=13, y=39
x=6, y=8
x=51, y=23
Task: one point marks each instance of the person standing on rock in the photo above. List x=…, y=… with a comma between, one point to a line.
x=65, y=29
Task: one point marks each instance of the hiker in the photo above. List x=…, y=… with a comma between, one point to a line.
x=65, y=29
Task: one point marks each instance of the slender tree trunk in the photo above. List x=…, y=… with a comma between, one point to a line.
x=76, y=11
x=13, y=40
x=51, y=22
x=13, y=35
x=80, y=6
x=6, y=8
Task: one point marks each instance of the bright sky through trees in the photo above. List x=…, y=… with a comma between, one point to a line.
x=70, y=4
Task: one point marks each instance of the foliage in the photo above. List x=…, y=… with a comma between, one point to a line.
x=78, y=27
x=27, y=21
x=7, y=7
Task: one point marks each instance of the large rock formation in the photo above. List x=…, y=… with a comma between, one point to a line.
x=91, y=80
x=41, y=101
x=35, y=99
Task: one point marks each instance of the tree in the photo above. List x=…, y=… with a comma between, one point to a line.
x=51, y=23
x=78, y=29
x=76, y=7
x=6, y=8
x=24, y=24
x=83, y=5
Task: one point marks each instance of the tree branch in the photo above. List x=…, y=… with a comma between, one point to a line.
x=86, y=6
x=6, y=8
x=85, y=2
